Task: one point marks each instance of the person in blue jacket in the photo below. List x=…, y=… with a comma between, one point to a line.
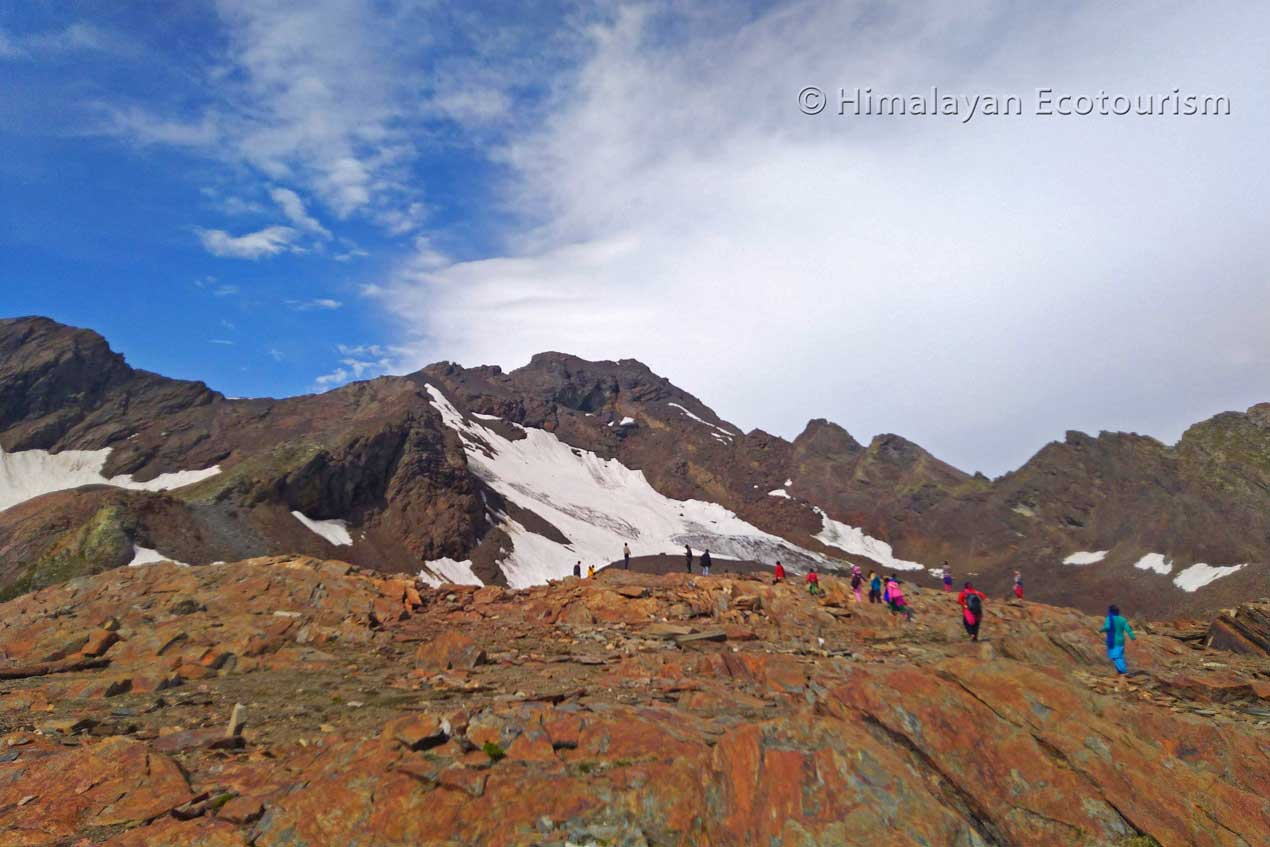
x=1116, y=628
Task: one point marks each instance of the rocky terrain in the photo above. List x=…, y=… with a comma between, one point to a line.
x=484, y=477
x=294, y=701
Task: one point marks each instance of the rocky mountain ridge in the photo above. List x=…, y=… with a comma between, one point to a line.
x=431, y=472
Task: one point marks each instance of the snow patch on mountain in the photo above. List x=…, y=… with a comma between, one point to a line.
x=146, y=556
x=1084, y=557
x=853, y=540
x=334, y=531
x=699, y=420
x=598, y=504
x=780, y=492
x=448, y=571
x=1155, y=562
x=1200, y=574
x=28, y=474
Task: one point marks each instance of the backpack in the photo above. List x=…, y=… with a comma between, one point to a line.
x=975, y=605
x=856, y=580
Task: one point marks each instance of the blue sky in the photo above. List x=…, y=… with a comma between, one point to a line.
x=119, y=171
x=278, y=196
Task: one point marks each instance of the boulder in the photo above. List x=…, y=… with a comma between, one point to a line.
x=450, y=650
x=419, y=732
x=99, y=642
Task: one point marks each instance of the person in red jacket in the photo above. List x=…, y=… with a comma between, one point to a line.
x=1018, y=584
x=971, y=602
x=780, y=572
x=813, y=582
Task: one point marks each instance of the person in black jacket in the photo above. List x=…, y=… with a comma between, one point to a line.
x=705, y=563
x=688, y=558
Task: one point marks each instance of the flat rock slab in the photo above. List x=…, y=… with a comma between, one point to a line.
x=667, y=630
x=707, y=635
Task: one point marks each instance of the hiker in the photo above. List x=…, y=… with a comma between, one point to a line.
x=626, y=557
x=896, y=600
x=1018, y=584
x=886, y=589
x=1117, y=628
x=857, y=584
x=577, y=570
x=971, y=601
x=590, y=572
x=948, y=578
x=688, y=558
x=780, y=572
x=705, y=563
x=875, y=587
x=813, y=582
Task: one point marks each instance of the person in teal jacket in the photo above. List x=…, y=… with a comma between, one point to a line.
x=1116, y=628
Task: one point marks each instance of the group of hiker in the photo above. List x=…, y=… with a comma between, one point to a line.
x=880, y=591
x=705, y=560
x=889, y=592
x=971, y=601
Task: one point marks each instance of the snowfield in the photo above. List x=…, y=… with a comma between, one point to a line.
x=853, y=540
x=598, y=504
x=32, y=473
x=443, y=571
x=1198, y=575
x=334, y=531
x=1085, y=558
x=1156, y=563
x=146, y=556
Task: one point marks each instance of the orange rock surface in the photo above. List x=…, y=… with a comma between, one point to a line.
x=630, y=709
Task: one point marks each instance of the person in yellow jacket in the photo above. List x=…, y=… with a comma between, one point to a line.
x=590, y=572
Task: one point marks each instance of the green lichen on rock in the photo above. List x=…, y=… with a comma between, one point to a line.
x=101, y=543
x=254, y=479
x=1138, y=841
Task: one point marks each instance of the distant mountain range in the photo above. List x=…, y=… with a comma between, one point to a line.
x=473, y=474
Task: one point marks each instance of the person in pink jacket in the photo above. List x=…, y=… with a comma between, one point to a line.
x=896, y=599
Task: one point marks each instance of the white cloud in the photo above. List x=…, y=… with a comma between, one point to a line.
x=337, y=377
x=473, y=106
x=322, y=303
x=315, y=93
x=977, y=286
x=9, y=47
x=269, y=241
x=146, y=128
x=402, y=221
x=362, y=350
x=293, y=208
x=78, y=36
x=350, y=254
x=230, y=204
x=361, y=361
